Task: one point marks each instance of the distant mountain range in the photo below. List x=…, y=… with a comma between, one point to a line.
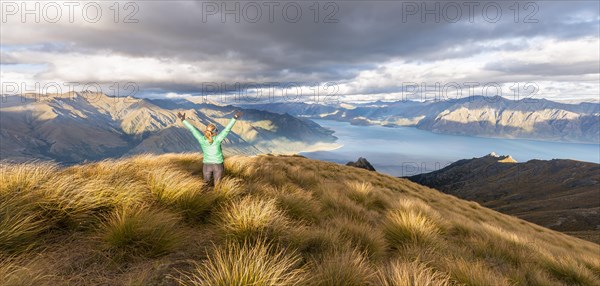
x=76, y=127
x=559, y=194
x=538, y=119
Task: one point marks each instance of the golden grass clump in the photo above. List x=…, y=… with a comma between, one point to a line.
x=568, y=269
x=21, y=272
x=140, y=231
x=247, y=263
x=302, y=176
x=251, y=218
x=71, y=203
x=359, y=191
x=334, y=203
x=239, y=166
x=298, y=204
x=501, y=244
x=410, y=273
x=342, y=267
x=404, y=226
x=365, y=238
x=365, y=194
x=18, y=178
x=473, y=272
x=182, y=193
x=228, y=188
x=19, y=226
x=168, y=185
x=312, y=240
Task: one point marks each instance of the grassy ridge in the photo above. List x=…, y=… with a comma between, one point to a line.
x=273, y=220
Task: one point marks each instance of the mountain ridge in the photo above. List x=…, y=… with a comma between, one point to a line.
x=537, y=119
x=74, y=127
x=559, y=194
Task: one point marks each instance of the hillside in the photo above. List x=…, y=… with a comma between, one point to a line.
x=74, y=127
x=559, y=194
x=539, y=119
x=272, y=220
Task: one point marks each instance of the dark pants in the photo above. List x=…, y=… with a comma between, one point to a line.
x=215, y=170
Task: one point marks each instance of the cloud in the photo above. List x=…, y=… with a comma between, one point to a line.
x=370, y=49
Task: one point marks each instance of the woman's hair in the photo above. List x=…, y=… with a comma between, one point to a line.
x=210, y=132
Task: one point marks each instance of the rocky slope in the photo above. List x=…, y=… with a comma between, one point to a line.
x=75, y=127
x=474, y=116
x=559, y=194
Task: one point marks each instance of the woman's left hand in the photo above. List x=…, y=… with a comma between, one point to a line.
x=238, y=114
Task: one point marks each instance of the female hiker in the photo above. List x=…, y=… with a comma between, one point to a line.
x=210, y=142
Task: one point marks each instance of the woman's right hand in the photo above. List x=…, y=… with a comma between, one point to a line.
x=181, y=116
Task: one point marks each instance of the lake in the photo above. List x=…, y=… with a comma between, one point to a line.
x=405, y=151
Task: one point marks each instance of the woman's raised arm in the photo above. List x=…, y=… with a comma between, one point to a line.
x=225, y=131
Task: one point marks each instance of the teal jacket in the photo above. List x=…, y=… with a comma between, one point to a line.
x=212, y=152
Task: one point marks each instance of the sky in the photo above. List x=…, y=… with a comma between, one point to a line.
x=304, y=50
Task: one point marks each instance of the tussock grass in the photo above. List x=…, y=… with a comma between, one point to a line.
x=302, y=176
x=239, y=166
x=365, y=194
x=335, y=203
x=245, y=263
x=534, y=276
x=72, y=203
x=410, y=273
x=182, y=193
x=409, y=226
x=228, y=188
x=21, y=272
x=359, y=191
x=274, y=220
x=474, y=273
x=343, y=267
x=138, y=231
x=17, y=178
x=252, y=218
x=19, y=227
x=298, y=204
x=513, y=251
x=568, y=270
x=312, y=241
x=167, y=185
x=363, y=237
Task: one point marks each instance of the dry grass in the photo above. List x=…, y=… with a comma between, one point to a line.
x=251, y=218
x=25, y=272
x=362, y=236
x=410, y=273
x=568, y=269
x=298, y=204
x=139, y=231
x=341, y=267
x=409, y=226
x=228, y=188
x=240, y=264
x=474, y=273
x=272, y=220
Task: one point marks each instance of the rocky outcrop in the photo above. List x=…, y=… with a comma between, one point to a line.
x=361, y=163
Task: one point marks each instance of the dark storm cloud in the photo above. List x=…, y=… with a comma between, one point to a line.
x=367, y=33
